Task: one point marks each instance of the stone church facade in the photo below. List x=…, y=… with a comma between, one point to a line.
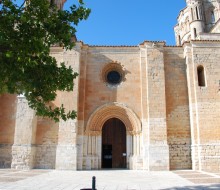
x=150, y=106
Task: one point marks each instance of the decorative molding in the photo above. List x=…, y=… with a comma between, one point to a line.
x=113, y=110
x=112, y=66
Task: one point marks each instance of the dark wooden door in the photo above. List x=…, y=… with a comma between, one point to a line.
x=114, y=144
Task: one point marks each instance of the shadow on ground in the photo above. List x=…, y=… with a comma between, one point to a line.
x=199, y=187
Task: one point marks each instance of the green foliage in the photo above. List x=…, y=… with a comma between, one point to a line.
x=26, y=67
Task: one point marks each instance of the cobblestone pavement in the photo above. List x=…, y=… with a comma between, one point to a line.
x=107, y=180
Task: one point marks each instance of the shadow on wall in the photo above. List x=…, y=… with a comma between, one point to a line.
x=112, y=76
x=107, y=75
x=177, y=111
x=199, y=187
x=5, y=155
x=46, y=144
x=7, y=128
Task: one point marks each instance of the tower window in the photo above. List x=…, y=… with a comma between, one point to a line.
x=179, y=39
x=192, y=14
x=212, y=17
x=197, y=13
x=195, y=33
x=201, y=75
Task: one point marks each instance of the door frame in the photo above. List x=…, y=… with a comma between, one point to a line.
x=125, y=158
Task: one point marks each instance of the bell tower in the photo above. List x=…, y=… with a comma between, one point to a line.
x=199, y=16
x=58, y=3
x=196, y=17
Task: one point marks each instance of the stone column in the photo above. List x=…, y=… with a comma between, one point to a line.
x=23, y=150
x=92, y=158
x=137, y=161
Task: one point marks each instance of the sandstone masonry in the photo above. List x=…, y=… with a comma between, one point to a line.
x=167, y=97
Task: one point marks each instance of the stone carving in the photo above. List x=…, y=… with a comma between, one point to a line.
x=111, y=110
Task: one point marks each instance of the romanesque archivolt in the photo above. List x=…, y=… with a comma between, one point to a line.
x=113, y=110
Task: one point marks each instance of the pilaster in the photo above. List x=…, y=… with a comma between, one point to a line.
x=23, y=150
x=194, y=124
x=67, y=149
x=155, y=129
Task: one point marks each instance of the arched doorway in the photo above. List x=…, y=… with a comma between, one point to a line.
x=94, y=138
x=114, y=144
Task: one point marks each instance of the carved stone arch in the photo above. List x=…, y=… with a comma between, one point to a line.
x=113, y=110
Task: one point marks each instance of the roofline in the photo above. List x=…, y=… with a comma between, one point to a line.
x=180, y=12
x=121, y=46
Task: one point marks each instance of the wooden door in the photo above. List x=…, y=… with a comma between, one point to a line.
x=114, y=144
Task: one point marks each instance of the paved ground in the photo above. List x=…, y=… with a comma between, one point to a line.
x=107, y=180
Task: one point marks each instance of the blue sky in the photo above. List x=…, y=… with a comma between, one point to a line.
x=127, y=22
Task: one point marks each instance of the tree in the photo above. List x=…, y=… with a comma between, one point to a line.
x=26, y=67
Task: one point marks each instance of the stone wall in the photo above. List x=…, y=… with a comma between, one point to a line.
x=208, y=106
x=45, y=156
x=5, y=155
x=46, y=144
x=177, y=109
x=23, y=156
x=210, y=155
x=94, y=92
x=176, y=121
x=66, y=151
x=204, y=104
x=156, y=147
x=7, y=128
x=23, y=149
x=97, y=92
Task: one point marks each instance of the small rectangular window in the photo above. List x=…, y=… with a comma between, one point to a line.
x=201, y=76
x=195, y=33
x=197, y=13
x=179, y=38
x=192, y=14
x=212, y=17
